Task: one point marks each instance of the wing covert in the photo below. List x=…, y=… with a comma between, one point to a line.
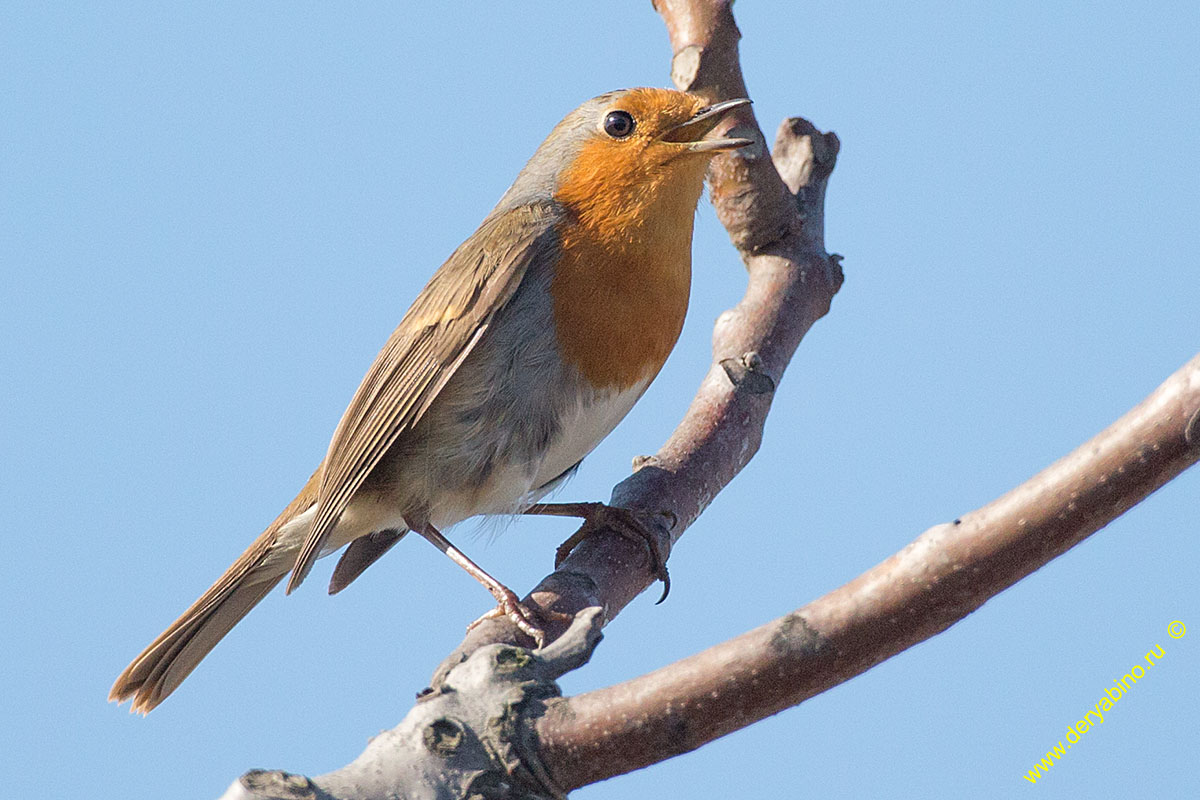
x=444, y=324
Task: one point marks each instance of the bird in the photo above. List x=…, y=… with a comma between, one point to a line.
x=523, y=351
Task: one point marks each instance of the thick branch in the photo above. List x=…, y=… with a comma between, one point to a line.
x=945, y=574
x=469, y=739
x=774, y=213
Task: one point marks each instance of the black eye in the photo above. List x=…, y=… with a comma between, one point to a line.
x=618, y=124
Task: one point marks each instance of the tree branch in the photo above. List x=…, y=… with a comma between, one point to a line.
x=945, y=574
x=774, y=213
x=469, y=739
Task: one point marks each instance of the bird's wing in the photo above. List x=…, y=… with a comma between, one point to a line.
x=441, y=328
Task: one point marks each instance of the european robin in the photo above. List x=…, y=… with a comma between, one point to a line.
x=524, y=350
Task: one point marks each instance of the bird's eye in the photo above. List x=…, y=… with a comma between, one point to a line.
x=618, y=124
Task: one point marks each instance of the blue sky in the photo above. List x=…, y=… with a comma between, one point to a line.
x=212, y=217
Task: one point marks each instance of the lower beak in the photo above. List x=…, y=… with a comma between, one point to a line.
x=691, y=133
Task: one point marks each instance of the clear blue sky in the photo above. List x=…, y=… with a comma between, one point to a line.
x=211, y=218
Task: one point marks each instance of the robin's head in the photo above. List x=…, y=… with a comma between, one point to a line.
x=620, y=153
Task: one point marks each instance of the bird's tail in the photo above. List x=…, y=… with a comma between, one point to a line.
x=170, y=658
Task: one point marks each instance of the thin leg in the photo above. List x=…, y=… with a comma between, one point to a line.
x=625, y=521
x=509, y=604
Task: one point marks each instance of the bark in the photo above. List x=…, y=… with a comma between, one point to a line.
x=469, y=739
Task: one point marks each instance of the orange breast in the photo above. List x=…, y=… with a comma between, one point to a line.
x=622, y=282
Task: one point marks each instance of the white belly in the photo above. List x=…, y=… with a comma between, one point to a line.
x=511, y=486
x=583, y=427
x=514, y=486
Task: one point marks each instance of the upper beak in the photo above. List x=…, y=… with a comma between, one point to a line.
x=691, y=133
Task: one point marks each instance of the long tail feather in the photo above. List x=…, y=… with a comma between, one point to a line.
x=170, y=658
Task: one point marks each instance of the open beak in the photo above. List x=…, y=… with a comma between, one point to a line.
x=691, y=133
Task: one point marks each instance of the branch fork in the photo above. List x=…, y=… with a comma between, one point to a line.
x=471, y=737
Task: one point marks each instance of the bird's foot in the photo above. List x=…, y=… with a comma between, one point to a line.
x=527, y=619
x=628, y=522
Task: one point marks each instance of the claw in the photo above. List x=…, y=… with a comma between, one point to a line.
x=507, y=605
x=627, y=522
x=527, y=619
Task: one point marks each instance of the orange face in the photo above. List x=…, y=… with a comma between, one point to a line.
x=624, y=275
x=641, y=151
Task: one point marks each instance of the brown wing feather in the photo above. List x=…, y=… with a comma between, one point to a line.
x=440, y=329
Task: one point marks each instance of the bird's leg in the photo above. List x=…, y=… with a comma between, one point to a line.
x=627, y=522
x=508, y=603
